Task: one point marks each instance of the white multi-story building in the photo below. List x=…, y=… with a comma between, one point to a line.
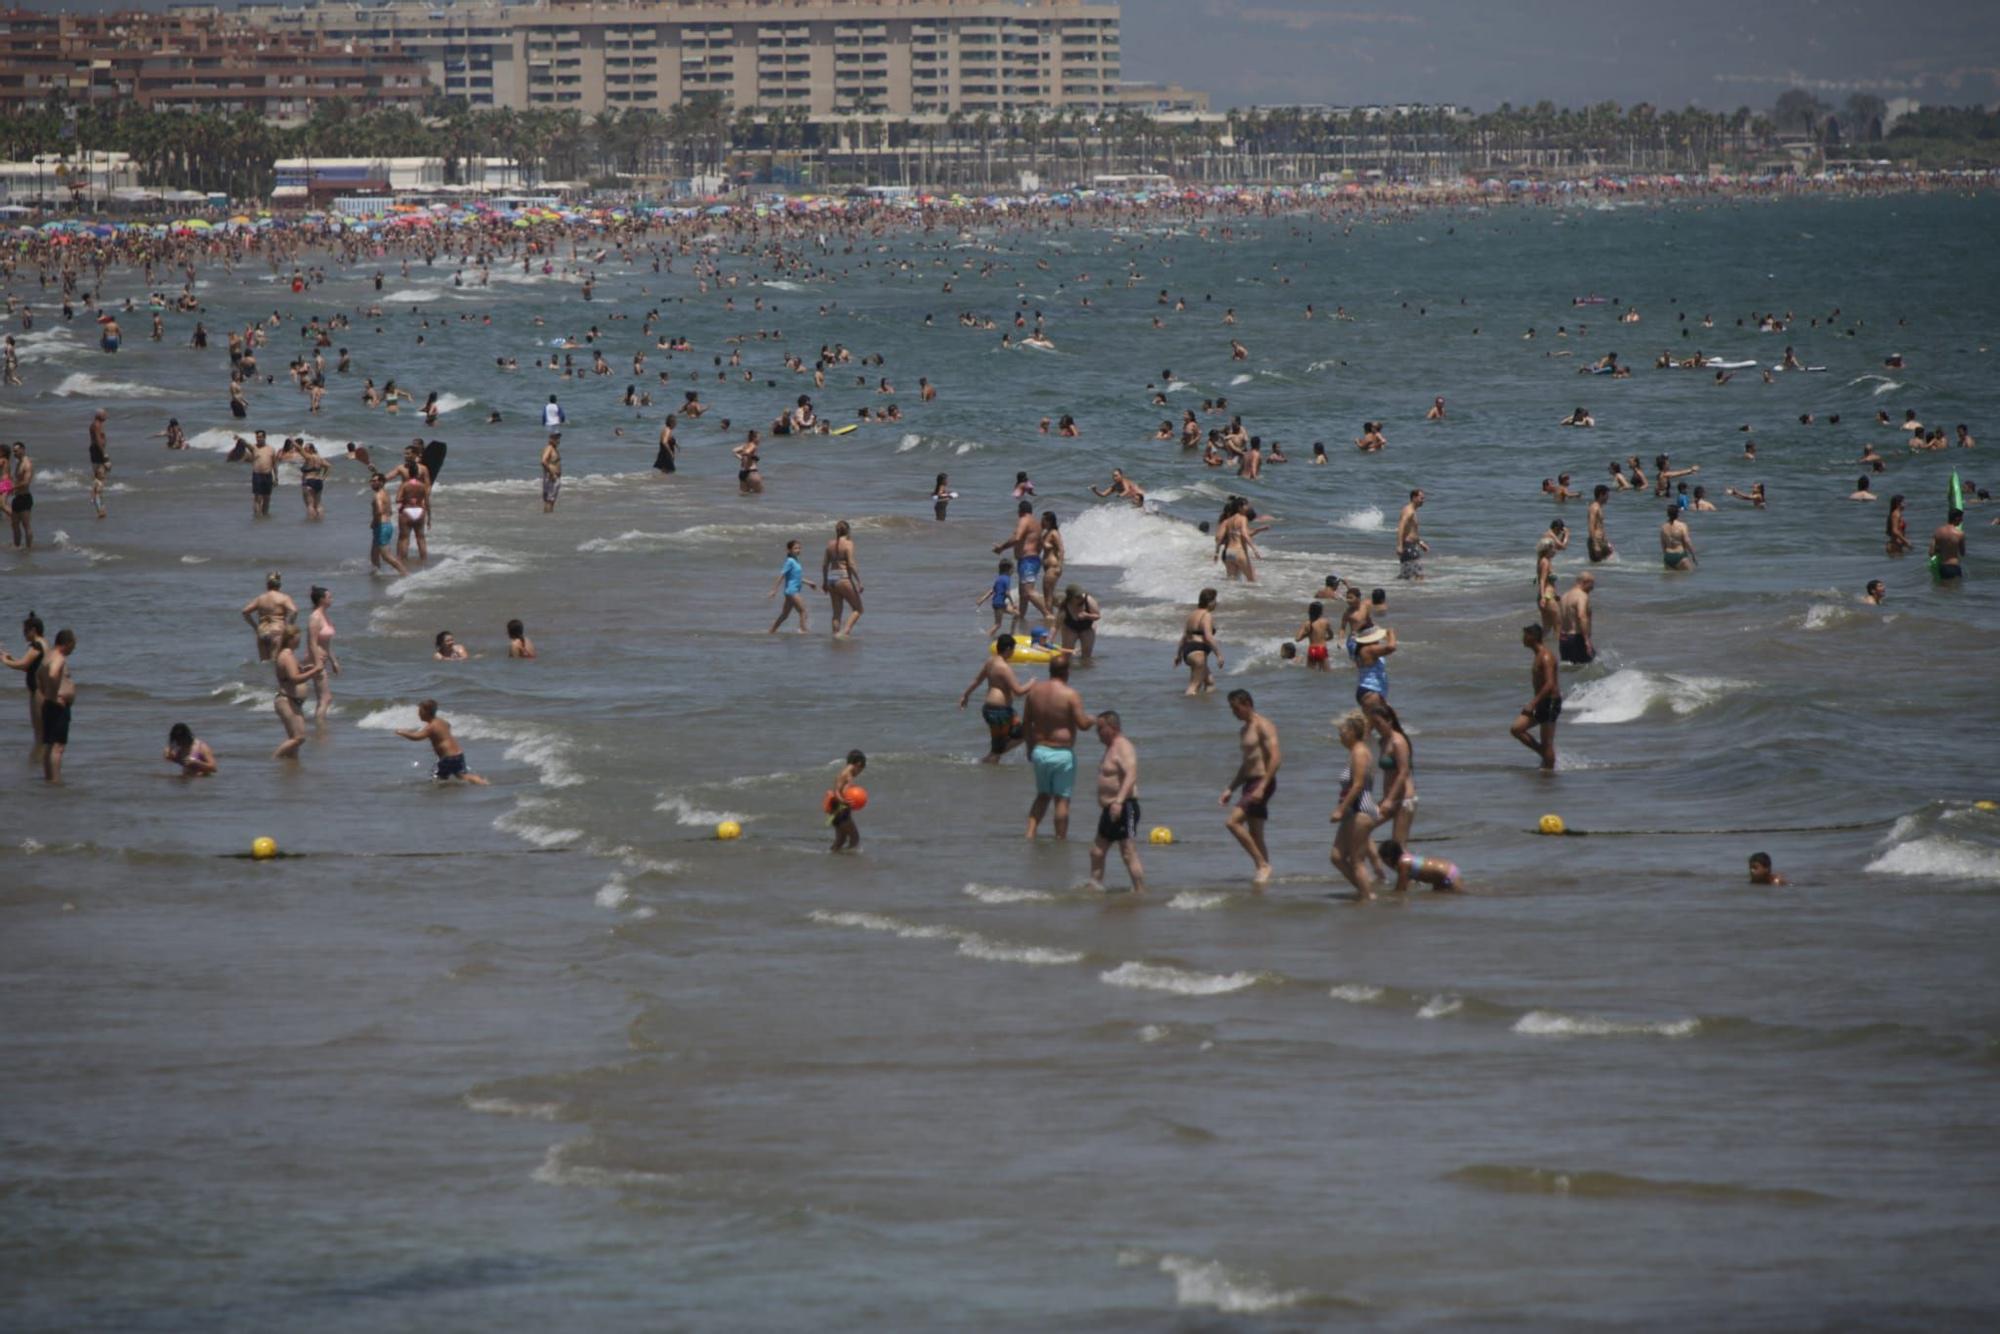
x=826, y=58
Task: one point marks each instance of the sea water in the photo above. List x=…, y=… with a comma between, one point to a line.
x=547, y=1053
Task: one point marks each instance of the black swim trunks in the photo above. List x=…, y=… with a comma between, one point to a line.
x=1549, y=709
x=1599, y=551
x=1124, y=827
x=450, y=766
x=24, y=501
x=1260, y=809
x=1573, y=649
x=55, y=723
x=1004, y=726
x=260, y=484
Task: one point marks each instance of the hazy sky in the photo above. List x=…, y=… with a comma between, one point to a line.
x=1719, y=54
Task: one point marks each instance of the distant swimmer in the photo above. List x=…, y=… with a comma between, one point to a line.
x=1762, y=872
x=1123, y=487
x=1117, y=803
x=518, y=643
x=1410, y=546
x=1897, y=528
x=1676, y=542
x=446, y=648
x=188, y=752
x=841, y=578
x=791, y=578
x=1254, y=784
x=846, y=834
x=1876, y=593
x=1053, y=714
x=450, y=756
x=1546, y=707
x=1002, y=689
x=1436, y=413
x=1574, y=643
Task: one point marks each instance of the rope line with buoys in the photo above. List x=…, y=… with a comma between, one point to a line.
x=1553, y=826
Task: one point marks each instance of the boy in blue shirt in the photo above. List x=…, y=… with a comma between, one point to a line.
x=791, y=578
x=997, y=597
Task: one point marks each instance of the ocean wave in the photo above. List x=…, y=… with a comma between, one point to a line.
x=1002, y=894
x=46, y=345
x=695, y=817
x=1189, y=900
x=70, y=547
x=1440, y=1007
x=1936, y=857
x=409, y=296
x=453, y=402
x=532, y=1111
x=1629, y=694
x=82, y=384
x=560, y=1167
x=1552, y=1024
x=1214, y=1285
x=1366, y=519
x=614, y=893
x=519, y=821
x=460, y=565
x=1177, y=981
x=1356, y=993
x=974, y=946
x=61, y=479
x=1157, y=557
x=1821, y=615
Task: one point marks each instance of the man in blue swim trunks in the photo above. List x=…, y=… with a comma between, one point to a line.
x=1026, y=544
x=1001, y=691
x=1053, y=717
x=382, y=526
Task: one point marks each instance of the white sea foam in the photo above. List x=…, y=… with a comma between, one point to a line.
x=460, y=565
x=1629, y=694
x=1189, y=900
x=1178, y=981
x=558, y=1169
x=1002, y=894
x=1366, y=519
x=519, y=820
x=453, y=402
x=62, y=479
x=1820, y=615
x=1210, y=1283
x=194, y=560
x=1154, y=1033
x=64, y=543
x=82, y=384
x=615, y=892
x=1937, y=857
x=236, y=693
x=1550, y=1024
x=1355, y=993
x=1235, y=380
x=698, y=817
x=1158, y=557
x=409, y=296
x=532, y=1111
x=868, y=921
x=1440, y=1007
x=975, y=946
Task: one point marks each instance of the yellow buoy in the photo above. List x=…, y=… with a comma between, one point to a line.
x=1161, y=834
x=264, y=849
x=1986, y=805
x=1551, y=824
x=728, y=829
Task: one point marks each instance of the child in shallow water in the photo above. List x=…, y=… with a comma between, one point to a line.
x=1433, y=871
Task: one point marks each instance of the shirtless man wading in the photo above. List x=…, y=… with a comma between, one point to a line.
x=1574, y=641
x=1002, y=688
x=841, y=578
x=1117, y=803
x=1410, y=545
x=1053, y=716
x=1257, y=779
x=1026, y=544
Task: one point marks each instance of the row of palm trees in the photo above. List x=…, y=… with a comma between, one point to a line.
x=706, y=136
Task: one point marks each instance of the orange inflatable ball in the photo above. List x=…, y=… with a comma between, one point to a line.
x=854, y=798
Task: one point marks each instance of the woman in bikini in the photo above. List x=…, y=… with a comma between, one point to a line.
x=1052, y=558
x=1198, y=648
x=269, y=613
x=1080, y=615
x=290, y=700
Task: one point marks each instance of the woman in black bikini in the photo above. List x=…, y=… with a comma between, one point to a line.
x=1080, y=615
x=1198, y=645
x=30, y=662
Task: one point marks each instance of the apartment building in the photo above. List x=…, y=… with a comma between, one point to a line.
x=198, y=61
x=829, y=59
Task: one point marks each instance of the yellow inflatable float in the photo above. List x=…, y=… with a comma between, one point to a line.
x=1027, y=652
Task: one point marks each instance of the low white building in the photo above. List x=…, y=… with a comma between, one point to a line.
x=301, y=179
x=59, y=178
